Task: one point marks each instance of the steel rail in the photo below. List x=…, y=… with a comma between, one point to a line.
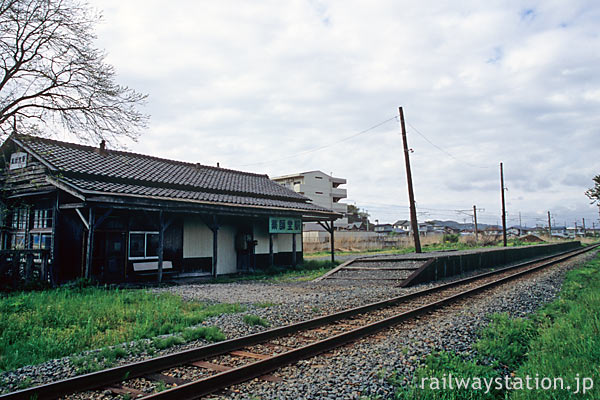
x=138, y=369
x=202, y=387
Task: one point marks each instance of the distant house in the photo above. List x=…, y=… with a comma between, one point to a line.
x=355, y=226
x=401, y=226
x=493, y=230
x=383, y=228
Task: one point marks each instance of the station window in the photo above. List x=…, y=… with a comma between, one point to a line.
x=20, y=218
x=42, y=219
x=17, y=241
x=40, y=241
x=143, y=245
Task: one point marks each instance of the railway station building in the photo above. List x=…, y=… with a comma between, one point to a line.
x=117, y=216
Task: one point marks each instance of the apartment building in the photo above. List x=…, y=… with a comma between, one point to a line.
x=324, y=190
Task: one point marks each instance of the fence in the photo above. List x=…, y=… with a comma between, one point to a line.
x=22, y=267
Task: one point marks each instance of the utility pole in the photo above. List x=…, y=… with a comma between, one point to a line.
x=575, y=228
x=583, y=227
x=549, y=226
x=520, y=225
x=503, y=206
x=475, y=220
x=411, y=196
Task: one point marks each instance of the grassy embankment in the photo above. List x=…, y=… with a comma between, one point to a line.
x=562, y=340
x=425, y=248
x=38, y=326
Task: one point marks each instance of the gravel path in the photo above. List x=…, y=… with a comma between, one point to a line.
x=357, y=370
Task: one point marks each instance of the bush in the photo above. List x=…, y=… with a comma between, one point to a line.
x=450, y=238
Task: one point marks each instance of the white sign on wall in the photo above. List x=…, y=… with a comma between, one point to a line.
x=18, y=160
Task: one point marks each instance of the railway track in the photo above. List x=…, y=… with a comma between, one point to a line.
x=223, y=364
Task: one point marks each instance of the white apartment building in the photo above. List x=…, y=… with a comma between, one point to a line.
x=321, y=188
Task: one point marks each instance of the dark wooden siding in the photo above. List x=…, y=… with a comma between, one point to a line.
x=29, y=179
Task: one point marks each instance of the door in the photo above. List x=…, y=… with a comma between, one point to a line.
x=114, y=269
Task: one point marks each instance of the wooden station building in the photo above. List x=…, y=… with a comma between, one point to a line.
x=118, y=216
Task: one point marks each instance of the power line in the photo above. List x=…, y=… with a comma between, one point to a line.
x=301, y=153
x=444, y=151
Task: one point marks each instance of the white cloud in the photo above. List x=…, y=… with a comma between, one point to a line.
x=247, y=84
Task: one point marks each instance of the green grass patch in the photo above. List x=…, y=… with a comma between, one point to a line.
x=560, y=343
x=569, y=337
x=507, y=340
x=252, y=320
x=439, y=368
x=38, y=326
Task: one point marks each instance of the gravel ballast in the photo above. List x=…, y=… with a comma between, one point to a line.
x=353, y=371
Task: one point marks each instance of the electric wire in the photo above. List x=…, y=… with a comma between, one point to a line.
x=444, y=151
x=315, y=149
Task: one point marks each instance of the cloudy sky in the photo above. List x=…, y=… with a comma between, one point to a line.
x=279, y=87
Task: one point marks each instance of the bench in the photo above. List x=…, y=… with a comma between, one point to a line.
x=151, y=266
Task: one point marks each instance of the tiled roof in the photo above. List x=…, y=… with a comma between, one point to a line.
x=125, y=173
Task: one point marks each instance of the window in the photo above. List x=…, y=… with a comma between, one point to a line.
x=20, y=218
x=40, y=241
x=318, y=192
x=17, y=241
x=143, y=245
x=318, y=177
x=42, y=219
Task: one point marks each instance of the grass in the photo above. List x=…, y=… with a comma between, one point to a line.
x=253, y=320
x=425, y=248
x=562, y=340
x=39, y=326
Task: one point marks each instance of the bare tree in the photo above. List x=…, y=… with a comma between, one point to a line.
x=52, y=75
x=594, y=193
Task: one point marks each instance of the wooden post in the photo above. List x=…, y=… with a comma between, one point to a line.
x=51, y=260
x=503, y=206
x=293, y=249
x=161, y=244
x=28, y=267
x=90, y=244
x=475, y=222
x=331, y=230
x=44, y=270
x=16, y=264
x=214, y=260
x=549, y=227
x=215, y=229
x=411, y=195
x=271, y=256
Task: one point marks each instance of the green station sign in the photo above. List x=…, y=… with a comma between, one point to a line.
x=285, y=225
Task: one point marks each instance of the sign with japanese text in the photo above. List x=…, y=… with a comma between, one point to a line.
x=285, y=225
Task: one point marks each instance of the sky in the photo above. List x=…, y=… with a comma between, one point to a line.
x=284, y=87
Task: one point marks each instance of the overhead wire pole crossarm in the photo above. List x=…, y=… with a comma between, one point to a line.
x=411, y=196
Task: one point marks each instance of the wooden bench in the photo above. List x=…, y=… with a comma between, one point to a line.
x=151, y=266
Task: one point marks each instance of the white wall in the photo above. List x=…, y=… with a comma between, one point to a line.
x=261, y=235
x=197, y=238
x=226, y=254
x=284, y=242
